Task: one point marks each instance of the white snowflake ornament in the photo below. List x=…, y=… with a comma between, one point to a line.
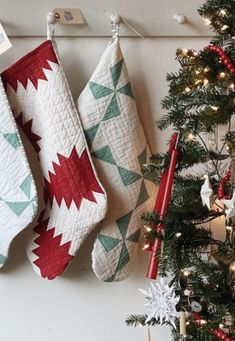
x=160, y=301
x=230, y=204
x=206, y=193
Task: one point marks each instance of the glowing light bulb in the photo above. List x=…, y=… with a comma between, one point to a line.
x=203, y=322
x=185, y=51
x=187, y=89
x=145, y=246
x=213, y=107
x=207, y=21
x=224, y=27
x=147, y=228
x=205, y=81
x=206, y=69
x=232, y=267
x=186, y=273
x=229, y=228
x=197, y=72
x=222, y=74
x=221, y=326
x=190, y=137
x=178, y=234
x=195, y=53
x=232, y=86
x=222, y=12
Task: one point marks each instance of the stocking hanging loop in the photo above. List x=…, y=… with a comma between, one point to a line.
x=115, y=21
x=51, y=21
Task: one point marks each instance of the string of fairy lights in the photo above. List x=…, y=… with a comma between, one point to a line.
x=219, y=20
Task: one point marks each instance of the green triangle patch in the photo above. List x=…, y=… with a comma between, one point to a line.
x=126, y=90
x=98, y=90
x=26, y=186
x=34, y=204
x=104, y=154
x=12, y=139
x=134, y=237
x=18, y=207
x=123, y=223
x=123, y=259
x=128, y=177
x=116, y=72
x=108, y=243
x=90, y=134
x=110, y=279
x=143, y=157
x=143, y=195
x=34, y=208
x=2, y=259
x=112, y=109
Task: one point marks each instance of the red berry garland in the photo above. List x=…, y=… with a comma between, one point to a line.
x=222, y=183
x=216, y=332
x=227, y=62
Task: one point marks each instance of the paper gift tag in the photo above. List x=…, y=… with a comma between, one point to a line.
x=68, y=16
x=5, y=43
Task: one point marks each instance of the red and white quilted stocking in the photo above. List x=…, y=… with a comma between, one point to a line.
x=75, y=200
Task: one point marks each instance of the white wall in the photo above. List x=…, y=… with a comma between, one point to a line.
x=78, y=306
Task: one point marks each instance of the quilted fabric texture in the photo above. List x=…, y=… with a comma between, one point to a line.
x=18, y=197
x=75, y=200
x=118, y=145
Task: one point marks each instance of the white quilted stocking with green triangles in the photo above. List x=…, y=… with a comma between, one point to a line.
x=118, y=146
x=18, y=199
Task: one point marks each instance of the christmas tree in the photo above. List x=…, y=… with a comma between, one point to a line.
x=200, y=108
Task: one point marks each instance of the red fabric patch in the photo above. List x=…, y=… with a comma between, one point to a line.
x=30, y=67
x=53, y=257
x=73, y=180
x=27, y=129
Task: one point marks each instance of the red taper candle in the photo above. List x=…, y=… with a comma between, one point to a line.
x=162, y=205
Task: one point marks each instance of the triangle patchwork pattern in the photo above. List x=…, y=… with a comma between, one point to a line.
x=124, y=256
x=90, y=134
x=26, y=185
x=105, y=154
x=115, y=71
x=2, y=260
x=12, y=139
x=110, y=279
x=128, y=177
x=18, y=207
x=143, y=157
x=134, y=237
x=143, y=195
x=126, y=90
x=99, y=91
x=123, y=259
x=109, y=243
x=123, y=223
x=112, y=109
